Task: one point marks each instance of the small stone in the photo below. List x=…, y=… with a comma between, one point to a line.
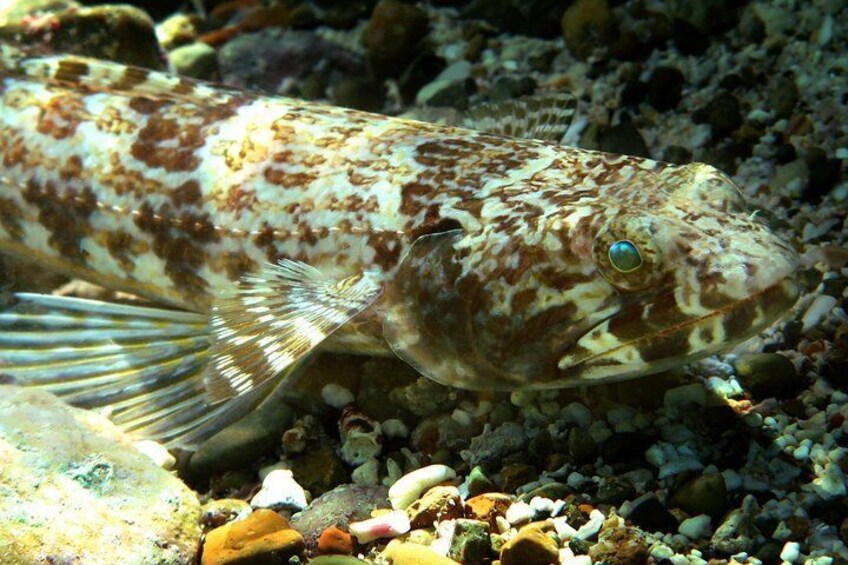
x=592, y=526
x=478, y=483
x=336, y=560
x=696, y=527
x=588, y=25
x=531, y=546
x=263, y=537
x=516, y=474
x=392, y=36
x=157, y=452
x=388, y=525
x=581, y=446
x=783, y=95
x=704, y=494
x=437, y=504
x=195, y=60
x=620, y=546
x=738, y=532
x=360, y=93
x=339, y=507
x=519, y=513
x=216, y=513
x=768, y=375
x=488, y=507
x=280, y=492
x=178, y=30
x=665, y=87
x=410, y=486
x=414, y=554
x=723, y=113
x=791, y=552
x=652, y=516
x=319, y=469
x=470, y=544
x=625, y=139
x=336, y=396
x=614, y=491
x=335, y=541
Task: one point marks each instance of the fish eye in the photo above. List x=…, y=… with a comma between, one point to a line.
x=625, y=256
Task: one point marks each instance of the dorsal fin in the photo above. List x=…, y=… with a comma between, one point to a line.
x=95, y=75
x=545, y=117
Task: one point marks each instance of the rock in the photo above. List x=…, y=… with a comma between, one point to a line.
x=59, y=461
x=216, y=513
x=280, y=492
x=723, y=113
x=195, y=60
x=768, y=375
x=470, y=544
x=385, y=525
x=178, y=30
x=614, y=491
x=738, y=532
x=625, y=139
x=782, y=95
x=263, y=537
x=437, y=504
x=652, y=516
x=538, y=18
x=336, y=560
x=11, y=13
x=588, y=25
x=704, y=494
x=581, y=447
x=319, y=469
x=117, y=32
x=252, y=437
x=531, y=546
x=334, y=541
x=410, y=486
x=516, y=474
x=392, y=36
x=487, y=507
x=478, y=483
x=361, y=436
x=620, y=546
x=489, y=448
x=339, y=507
x=665, y=87
x=824, y=174
x=414, y=554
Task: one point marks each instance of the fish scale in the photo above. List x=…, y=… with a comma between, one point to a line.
x=485, y=259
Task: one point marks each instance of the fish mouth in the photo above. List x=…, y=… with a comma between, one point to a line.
x=627, y=345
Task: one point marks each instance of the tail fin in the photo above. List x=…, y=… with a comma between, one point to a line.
x=146, y=365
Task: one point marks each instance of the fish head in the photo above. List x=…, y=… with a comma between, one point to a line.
x=600, y=290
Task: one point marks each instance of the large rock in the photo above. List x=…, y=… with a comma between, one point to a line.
x=73, y=489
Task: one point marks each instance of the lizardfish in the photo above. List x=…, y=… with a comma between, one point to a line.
x=487, y=257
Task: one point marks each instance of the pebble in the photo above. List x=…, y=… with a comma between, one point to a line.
x=195, y=60
x=704, y=494
x=336, y=396
x=576, y=414
x=336, y=560
x=414, y=554
x=387, y=525
x=620, y=546
x=280, y=491
x=519, y=513
x=768, y=375
x=409, y=487
x=263, y=537
x=737, y=532
x=531, y=546
x=665, y=87
x=337, y=508
x=651, y=515
x=696, y=527
x=157, y=452
x=488, y=507
x=437, y=504
x=588, y=25
x=470, y=544
x=319, y=469
x=591, y=528
x=791, y=552
x=817, y=310
x=216, y=513
x=477, y=483
x=361, y=436
x=515, y=475
x=335, y=541
x=392, y=36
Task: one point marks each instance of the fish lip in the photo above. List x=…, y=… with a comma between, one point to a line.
x=789, y=284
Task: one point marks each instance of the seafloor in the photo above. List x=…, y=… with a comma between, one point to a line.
x=737, y=459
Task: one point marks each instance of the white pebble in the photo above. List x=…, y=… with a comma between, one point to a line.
x=819, y=308
x=336, y=396
x=519, y=512
x=696, y=527
x=409, y=487
x=593, y=526
x=576, y=560
x=157, y=452
x=563, y=529
x=462, y=418
x=394, y=428
x=791, y=552
x=388, y=525
x=280, y=491
x=542, y=505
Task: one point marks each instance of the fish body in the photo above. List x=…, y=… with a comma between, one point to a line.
x=484, y=260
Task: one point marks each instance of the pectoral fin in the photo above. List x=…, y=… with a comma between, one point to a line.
x=274, y=319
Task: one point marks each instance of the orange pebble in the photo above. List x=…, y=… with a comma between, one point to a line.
x=334, y=541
